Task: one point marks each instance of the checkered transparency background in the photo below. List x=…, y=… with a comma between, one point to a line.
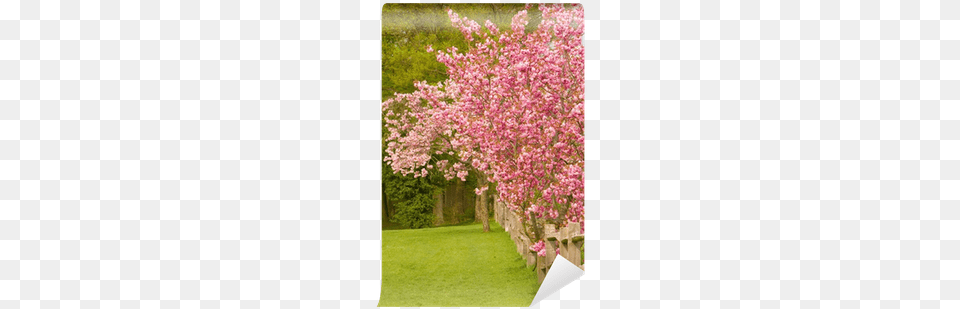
x=225, y=154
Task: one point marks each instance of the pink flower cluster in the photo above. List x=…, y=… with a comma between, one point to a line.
x=520, y=98
x=540, y=248
x=511, y=110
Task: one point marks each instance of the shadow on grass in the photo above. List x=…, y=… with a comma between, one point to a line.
x=387, y=225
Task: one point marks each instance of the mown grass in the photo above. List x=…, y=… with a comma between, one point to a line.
x=454, y=266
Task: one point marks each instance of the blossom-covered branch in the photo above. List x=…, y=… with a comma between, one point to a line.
x=511, y=109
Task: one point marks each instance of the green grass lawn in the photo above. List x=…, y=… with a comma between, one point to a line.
x=454, y=266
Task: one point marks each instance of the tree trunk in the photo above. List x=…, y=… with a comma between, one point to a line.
x=448, y=203
x=476, y=207
x=481, y=205
x=477, y=201
x=438, y=209
x=490, y=202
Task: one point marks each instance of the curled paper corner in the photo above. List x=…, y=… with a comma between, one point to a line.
x=560, y=275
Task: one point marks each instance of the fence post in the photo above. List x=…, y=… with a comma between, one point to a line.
x=550, y=244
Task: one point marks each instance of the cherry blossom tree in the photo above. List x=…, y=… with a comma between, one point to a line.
x=511, y=112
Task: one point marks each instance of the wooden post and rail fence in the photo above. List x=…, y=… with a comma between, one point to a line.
x=568, y=239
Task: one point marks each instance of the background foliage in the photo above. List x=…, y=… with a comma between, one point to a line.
x=408, y=28
x=406, y=31
x=412, y=198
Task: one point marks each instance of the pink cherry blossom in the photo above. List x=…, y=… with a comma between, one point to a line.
x=510, y=111
x=540, y=248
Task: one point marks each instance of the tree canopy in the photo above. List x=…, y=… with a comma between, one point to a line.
x=510, y=110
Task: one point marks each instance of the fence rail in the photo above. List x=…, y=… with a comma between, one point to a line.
x=568, y=239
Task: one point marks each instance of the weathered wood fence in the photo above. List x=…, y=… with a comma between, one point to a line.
x=568, y=239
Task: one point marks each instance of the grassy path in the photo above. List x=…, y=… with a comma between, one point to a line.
x=454, y=266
